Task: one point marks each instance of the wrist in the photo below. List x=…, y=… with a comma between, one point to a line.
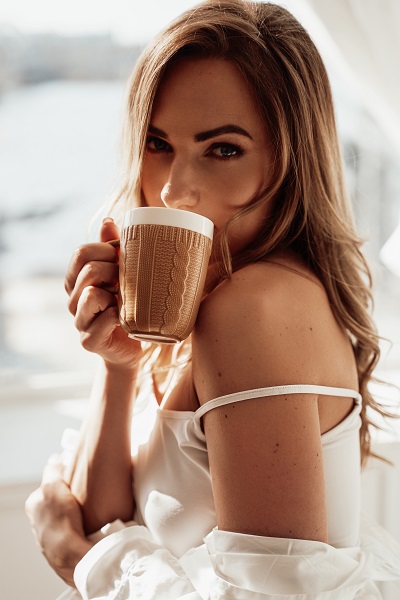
x=127, y=371
x=74, y=549
x=114, y=386
x=65, y=550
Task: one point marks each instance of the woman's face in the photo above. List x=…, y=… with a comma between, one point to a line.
x=207, y=148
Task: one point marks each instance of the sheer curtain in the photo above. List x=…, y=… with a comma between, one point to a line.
x=367, y=35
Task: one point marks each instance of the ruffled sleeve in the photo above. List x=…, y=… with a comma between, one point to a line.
x=235, y=566
x=129, y=565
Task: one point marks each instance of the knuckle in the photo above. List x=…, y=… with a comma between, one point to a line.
x=67, y=284
x=46, y=488
x=29, y=505
x=84, y=300
x=97, y=299
x=33, y=501
x=89, y=295
x=78, y=260
x=98, y=274
x=87, y=341
x=81, y=255
x=71, y=305
x=91, y=271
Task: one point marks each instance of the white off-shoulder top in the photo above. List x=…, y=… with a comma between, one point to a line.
x=172, y=478
x=174, y=551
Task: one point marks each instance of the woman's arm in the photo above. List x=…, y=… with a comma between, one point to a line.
x=100, y=474
x=265, y=454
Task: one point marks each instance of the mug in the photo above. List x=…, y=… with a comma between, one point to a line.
x=164, y=254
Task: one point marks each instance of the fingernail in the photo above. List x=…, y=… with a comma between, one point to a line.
x=108, y=220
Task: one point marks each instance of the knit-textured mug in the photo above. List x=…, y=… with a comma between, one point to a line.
x=164, y=256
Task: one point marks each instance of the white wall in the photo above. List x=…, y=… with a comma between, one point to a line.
x=24, y=572
x=30, y=430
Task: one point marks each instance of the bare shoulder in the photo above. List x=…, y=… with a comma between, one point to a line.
x=265, y=286
x=270, y=324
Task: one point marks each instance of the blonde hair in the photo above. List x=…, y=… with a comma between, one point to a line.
x=311, y=211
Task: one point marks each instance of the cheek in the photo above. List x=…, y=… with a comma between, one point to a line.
x=248, y=180
x=232, y=187
x=240, y=189
x=247, y=229
x=151, y=184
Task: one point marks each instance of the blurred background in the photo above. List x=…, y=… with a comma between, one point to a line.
x=63, y=68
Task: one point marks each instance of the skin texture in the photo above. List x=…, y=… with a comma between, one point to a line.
x=270, y=324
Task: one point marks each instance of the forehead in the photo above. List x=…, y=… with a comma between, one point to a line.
x=205, y=92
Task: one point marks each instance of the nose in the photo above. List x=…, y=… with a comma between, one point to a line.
x=181, y=189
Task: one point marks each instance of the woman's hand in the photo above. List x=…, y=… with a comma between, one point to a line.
x=92, y=285
x=56, y=521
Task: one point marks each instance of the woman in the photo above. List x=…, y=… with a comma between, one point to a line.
x=259, y=419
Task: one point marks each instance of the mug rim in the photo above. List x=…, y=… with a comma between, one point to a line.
x=173, y=217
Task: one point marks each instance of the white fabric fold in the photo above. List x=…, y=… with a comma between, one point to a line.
x=245, y=567
x=275, y=568
x=128, y=565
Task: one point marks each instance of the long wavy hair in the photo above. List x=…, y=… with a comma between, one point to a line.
x=311, y=210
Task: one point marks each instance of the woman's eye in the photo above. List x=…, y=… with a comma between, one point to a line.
x=226, y=151
x=155, y=144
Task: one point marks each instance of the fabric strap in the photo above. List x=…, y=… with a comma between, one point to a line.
x=279, y=390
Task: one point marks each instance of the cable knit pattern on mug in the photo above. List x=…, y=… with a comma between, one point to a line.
x=177, y=287
x=163, y=269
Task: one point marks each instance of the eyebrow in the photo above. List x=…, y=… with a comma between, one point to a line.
x=206, y=135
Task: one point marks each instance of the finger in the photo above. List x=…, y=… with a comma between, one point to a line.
x=31, y=504
x=97, y=338
x=109, y=231
x=85, y=254
x=53, y=470
x=92, y=302
x=55, y=459
x=104, y=275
